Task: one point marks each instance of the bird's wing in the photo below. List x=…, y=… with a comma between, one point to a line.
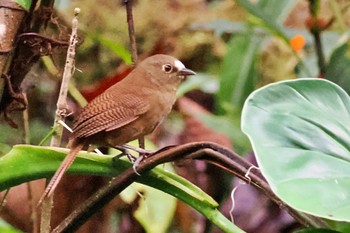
x=106, y=114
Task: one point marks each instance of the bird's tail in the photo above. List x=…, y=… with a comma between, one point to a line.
x=75, y=147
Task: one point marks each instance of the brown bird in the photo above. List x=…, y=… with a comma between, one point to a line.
x=126, y=111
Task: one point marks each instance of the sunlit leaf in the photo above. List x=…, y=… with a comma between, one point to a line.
x=7, y=228
x=24, y=3
x=155, y=210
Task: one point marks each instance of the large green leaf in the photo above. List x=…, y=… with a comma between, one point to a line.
x=25, y=163
x=301, y=137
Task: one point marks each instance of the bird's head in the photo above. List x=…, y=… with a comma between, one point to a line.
x=165, y=70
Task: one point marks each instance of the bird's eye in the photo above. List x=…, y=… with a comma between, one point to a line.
x=167, y=68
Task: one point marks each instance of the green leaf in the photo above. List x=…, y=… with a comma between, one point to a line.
x=218, y=26
x=24, y=3
x=238, y=76
x=338, y=68
x=155, y=211
x=26, y=163
x=7, y=228
x=204, y=82
x=277, y=10
x=229, y=126
x=300, y=133
x=316, y=230
x=267, y=21
x=117, y=48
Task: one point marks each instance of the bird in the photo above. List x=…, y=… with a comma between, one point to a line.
x=128, y=110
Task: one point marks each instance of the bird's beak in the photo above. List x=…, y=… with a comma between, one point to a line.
x=185, y=72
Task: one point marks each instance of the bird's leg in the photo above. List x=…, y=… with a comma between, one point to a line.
x=125, y=149
x=125, y=152
x=141, y=151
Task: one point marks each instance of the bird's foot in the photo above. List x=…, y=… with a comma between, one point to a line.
x=125, y=149
x=125, y=152
x=141, y=151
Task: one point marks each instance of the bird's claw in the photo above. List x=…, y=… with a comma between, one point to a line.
x=125, y=149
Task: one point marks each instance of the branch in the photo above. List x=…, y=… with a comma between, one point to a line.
x=133, y=47
x=206, y=151
x=61, y=113
x=130, y=21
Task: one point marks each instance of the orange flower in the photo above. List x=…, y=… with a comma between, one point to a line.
x=297, y=42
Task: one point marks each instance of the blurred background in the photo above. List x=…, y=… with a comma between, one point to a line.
x=234, y=47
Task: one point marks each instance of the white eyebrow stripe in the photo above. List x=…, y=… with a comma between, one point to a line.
x=178, y=64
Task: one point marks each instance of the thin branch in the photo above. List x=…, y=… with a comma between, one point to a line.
x=132, y=38
x=133, y=47
x=61, y=112
x=315, y=29
x=321, y=61
x=206, y=151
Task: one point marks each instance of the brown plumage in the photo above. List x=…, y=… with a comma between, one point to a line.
x=128, y=110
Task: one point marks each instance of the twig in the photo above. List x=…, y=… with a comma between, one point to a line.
x=321, y=61
x=26, y=123
x=33, y=219
x=315, y=30
x=130, y=21
x=207, y=151
x=133, y=47
x=61, y=113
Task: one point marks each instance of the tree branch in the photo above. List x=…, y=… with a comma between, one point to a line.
x=206, y=151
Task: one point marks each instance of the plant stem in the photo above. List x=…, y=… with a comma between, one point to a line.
x=132, y=38
x=133, y=47
x=61, y=113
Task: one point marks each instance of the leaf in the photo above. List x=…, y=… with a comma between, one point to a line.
x=204, y=82
x=24, y=3
x=7, y=228
x=338, y=68
x=26, y=163
x=277, y=10
x=229, y=126
x=316, y=230
x=300, y=134
x=218, y=26
x=268, y=21
x=117, y=48
x=238, y=76
x=155, y=210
